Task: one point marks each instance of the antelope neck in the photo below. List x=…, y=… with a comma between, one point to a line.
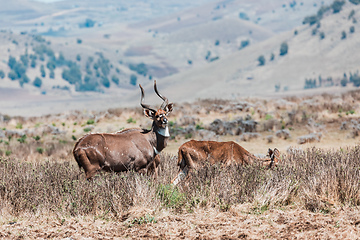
x=164, y=133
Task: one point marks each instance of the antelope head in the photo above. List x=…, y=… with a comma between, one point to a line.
x=159, y=116
x=274, y=156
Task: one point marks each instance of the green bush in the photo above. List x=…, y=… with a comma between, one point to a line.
x=42, y=71
x=337, y=5
x=115, y=79
x=311, y=20
x=37, y=82
x=283, y=49
x=352, y=29
x=140, y=68
x=343, y=35
x=133, y=79
x=261, y=60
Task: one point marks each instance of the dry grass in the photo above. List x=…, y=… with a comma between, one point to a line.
x=315, y=180
x=43, y=194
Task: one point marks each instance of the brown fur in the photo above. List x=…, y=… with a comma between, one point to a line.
x=130, y=149
x=194, y=153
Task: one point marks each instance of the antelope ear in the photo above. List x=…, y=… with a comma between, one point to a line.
x=168, y=109
x=270, y=152
x=149, y=113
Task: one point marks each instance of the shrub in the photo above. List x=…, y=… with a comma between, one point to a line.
x=311, y=20
x=140, y=68
x=2, y=74
x=115, y=79
x=133, y=79
x=105, y=82
x=244, y=43
x=217, y=43
x=52, y=74
x=356, y=2
x=37, y=82
x=11, y=62
x=78, y=41
x=12, y=75
x=283, y=49
x=352, y=29
x=78, y=57
x=42, y=71
x=261, y=60
x=89, y=23
x=322, y=35
x=272, y=57
x=337, y=5
x=73, y=74
x=343, y=35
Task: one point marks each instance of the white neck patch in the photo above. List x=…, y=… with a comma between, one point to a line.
x=164, y=131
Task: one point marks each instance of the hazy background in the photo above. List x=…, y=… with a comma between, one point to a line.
x=61, y=55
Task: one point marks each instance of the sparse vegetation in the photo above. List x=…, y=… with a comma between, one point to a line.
x=261, y=60
x=283, y=49
x=37, y=82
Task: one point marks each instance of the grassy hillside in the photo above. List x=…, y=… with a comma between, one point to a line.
x=214, y=47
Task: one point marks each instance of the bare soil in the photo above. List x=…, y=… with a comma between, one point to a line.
x=240, y=222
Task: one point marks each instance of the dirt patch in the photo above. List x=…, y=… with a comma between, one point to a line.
x=240, y=222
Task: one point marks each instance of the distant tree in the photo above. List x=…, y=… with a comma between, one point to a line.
x=25, y=60
x=51, y=65
x=356, y=2
x=52, y=74
x=19, y=69
x=42, y=71
x=140, y=68
x=115, y=79
x=343, y=35
x=105, y=81
x=213, y=59
x=78, y=57
x=343, y=82
x=272, y=57
x=261, y=60
x=33, y=63
x=89, y=23
x=24, y=79
x=283, y=49
x=37, y=82
x=133, y=79
x=352, y=29
x=244, y=43
x=73, y=74
x=60, y=61
x=2, y=74
x=11, y=62
x=351, y=14
x=208, y=54
x=12, y=75
x=311, y=20
x=243, y=16
x=337, y=5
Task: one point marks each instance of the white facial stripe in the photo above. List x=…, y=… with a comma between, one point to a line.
x=164, y=131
